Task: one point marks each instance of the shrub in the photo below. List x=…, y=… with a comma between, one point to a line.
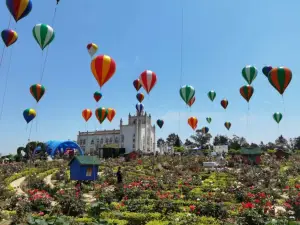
x=157, y=222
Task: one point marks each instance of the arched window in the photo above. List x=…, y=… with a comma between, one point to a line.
x=101, y=141
x=106, y=140
x=122, y=137
x=92, y=141
x=116, y=140
x=110, y=140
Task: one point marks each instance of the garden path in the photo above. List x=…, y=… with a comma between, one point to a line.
x=16, y=184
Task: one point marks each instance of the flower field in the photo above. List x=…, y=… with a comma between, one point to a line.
x=163, y=190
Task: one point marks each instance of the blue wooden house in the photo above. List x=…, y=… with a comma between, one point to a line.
x=84, y=167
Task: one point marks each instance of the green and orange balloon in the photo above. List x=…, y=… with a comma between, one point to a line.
x=101, y=114
x=247, y=91
x=37, y=91
x=280, y=78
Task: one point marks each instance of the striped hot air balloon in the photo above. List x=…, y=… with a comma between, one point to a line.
x=137, y=84
x=43, y=34
x=211, y=95
x=266, y=70
x=111, y=114
x=208, y=119
x=193, y=121
x=277, y=117
x=140, y=97
x=101, y=114
x=224, y=103
x=139, y=107
x=249, y=73
x=87, y=114
x=191, y=102
x=247, y=91
x=37, y=91
x=204, y=130
x=92, y=49
x=187, y=92
x=9, y=37
x=103, y=67
x=29, y=114
x=280, y=78
x=19, y=8
x=97, y=96
x=148, y=80
x=227, y=125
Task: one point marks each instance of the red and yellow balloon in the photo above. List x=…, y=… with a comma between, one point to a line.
x=193, y=121
x=103, y=67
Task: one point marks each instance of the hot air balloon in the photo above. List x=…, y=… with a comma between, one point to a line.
x=19, y=8
x=29, y=114
x=111, y=114
x=87, y=114
x=43, y=34
x=37, y=91
x=92, y=49
x=280, y=78
x=140, y=97
x=208, y=119
x=103, y=67
x=249, y=73
x=247, y=91
x=193, y=121
x=224, y=103
x=101, y=114
x=139, y=107
x=266, y=70
x=204, y=130
x=227, y=125
x=137, y=85
x=277, y=117
x=97, y=96
x=211, y=95
x=160, y=123
x=187, y=92
x=148, y=80
x=191, y=102
x=9, y=37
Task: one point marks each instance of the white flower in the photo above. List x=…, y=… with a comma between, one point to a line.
x=198, y=199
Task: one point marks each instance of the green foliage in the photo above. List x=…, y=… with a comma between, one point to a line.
x=157, y=222
x=178, y=149
x=271, y=151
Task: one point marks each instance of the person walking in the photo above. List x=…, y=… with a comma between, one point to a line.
x=119, y=176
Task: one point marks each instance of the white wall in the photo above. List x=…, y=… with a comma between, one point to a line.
x=221, y=148
x=89, y=142
x=128, y=132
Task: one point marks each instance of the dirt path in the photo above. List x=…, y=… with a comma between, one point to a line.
x=17, y=186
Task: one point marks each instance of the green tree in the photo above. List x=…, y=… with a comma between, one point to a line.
x=188, y=143
x=237, y=142
x=220, y=140
x=172, y=139
x=281, y=141
x=296, y=143
x=160, y=142
x=201, y=139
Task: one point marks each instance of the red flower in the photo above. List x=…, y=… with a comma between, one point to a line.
x=192, y=207
x=248, y=205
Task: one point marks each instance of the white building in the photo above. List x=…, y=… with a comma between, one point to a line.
x=221, y=148
x=138, y=134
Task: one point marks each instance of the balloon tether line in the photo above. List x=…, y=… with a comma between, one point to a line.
x=283, y=103
x=181, y=60
x=30, y=131
x=3, y=50
x=6, y=83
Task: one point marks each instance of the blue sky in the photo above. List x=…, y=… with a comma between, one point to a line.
x=220, y=38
